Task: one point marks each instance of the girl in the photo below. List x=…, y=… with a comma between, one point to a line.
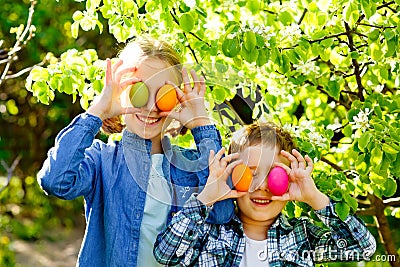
x=133, y=187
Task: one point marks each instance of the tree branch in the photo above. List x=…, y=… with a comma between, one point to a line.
x=9, y=171
x=376, y=26
x=356, y=66
x=392, y=202
x=22, y=72
x=333, y=165
x=21, y=41
x=302, y=16
x=326, y=37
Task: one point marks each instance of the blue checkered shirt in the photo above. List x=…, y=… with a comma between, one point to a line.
x=190, y=241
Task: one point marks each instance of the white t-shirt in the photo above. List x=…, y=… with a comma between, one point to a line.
x=255, y=253
x=156, y=208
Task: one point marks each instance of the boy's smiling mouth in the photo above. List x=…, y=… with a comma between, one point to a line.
x=261, y=201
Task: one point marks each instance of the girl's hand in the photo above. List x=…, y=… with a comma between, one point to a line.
x=191, y=110
x=301, y=185
x=216, y=188
x=108, y=103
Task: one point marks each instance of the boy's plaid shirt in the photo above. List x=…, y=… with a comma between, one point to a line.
x=190, y=241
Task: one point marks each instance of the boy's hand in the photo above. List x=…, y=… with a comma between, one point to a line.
x=301, y=187
x=216, y=188
x=191, y=110
x=108, y=103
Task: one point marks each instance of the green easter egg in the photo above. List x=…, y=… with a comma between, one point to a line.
x=139, y=95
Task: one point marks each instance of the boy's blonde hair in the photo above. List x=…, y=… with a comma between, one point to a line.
x=132, y=54
x=261, y=133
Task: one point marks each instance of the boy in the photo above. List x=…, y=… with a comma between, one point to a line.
x=261, y=235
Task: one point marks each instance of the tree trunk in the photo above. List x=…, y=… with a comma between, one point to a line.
x=384, y=230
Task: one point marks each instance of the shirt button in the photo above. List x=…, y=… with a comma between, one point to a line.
x=137, y=215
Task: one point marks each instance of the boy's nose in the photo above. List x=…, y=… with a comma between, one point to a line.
x=259, y=185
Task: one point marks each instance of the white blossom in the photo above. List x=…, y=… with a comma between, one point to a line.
x=307, y=68
x=291, y=32
x=317, y=139
x=294, y=130
x=190, y=3
x=361, y=121
x=307, y=125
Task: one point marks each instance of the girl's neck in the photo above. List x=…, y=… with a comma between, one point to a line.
x=156, y=146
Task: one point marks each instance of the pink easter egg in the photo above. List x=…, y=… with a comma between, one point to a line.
x=278, y=181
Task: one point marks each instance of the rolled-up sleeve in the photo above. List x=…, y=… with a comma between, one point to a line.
x=71, y=165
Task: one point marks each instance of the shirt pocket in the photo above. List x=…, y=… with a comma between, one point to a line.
x=214, y=253
x=184, y=185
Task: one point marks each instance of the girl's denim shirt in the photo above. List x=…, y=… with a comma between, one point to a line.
x=113, y=180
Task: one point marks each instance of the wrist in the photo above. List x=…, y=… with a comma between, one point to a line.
x=93, y=111
x=203, y=121
x=318, y=201
x=204, y=198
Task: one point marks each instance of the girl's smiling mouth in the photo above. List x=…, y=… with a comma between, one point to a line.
x=147, y=120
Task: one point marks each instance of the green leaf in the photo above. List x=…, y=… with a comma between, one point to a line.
x=253, y=6
x=186, y=22
x=327, y=42
x=333, y=89
x=218, y=94
x=374, y=35
x=75, y=29
x=55, y=82
x=78, y=15
x=392, y=46
x=347, y=131
x=368, y=8
x=249, y=56
x=387, y=148
x=350, y=13
x=67, y=85
x=231, y=47
x=263, y=57
x=286, y=18
x=337, y=195
x=39, y=74
x=376, y=156
x=375, y=51
x=352, y=202
x=390, y=187
x=364, y=140
x=342, y=210
x=249, y=39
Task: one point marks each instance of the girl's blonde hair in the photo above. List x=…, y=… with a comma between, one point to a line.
x=135, y=52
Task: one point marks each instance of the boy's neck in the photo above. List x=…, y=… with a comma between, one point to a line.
x=256, y=231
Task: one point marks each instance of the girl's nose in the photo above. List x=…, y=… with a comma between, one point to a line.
x=151, y=103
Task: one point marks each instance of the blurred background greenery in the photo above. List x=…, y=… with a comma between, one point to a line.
x=28, y=128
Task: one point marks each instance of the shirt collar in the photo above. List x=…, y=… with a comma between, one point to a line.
x=282, y=222
x=133, y=141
